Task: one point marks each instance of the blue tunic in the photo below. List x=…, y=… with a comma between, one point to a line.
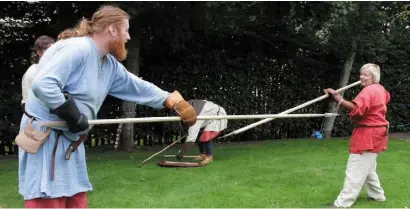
x=73, y=65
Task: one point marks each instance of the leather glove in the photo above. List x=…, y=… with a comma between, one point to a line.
x=69, y=112
x=185, y=110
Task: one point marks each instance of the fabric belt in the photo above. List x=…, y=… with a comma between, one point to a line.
x=374, y=126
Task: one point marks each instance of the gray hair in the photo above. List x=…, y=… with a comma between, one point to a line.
x=373, y=69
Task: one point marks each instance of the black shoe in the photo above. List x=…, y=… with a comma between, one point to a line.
x=372, y=199
x=331, y=205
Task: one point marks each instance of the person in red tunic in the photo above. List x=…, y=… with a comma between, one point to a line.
x=369, y=138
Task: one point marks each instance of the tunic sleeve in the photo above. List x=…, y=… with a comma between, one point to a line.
x=193, y=131
x=362, y=105
x=26, y=82
x=128, y=87
x=53, y=75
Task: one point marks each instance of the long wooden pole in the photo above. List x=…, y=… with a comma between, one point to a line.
x=176, y=118
x=287, y=111
x=163, y=150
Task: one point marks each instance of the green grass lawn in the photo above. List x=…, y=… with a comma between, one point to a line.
x=292, y=173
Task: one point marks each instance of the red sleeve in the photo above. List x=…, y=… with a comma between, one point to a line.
x=362, y=104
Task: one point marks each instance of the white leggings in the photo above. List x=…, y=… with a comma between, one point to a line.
x=361, y=169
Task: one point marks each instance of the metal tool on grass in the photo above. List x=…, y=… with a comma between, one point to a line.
x=164, y=149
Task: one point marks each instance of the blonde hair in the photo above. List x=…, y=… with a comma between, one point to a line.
x=373, y=69
x=101, y=19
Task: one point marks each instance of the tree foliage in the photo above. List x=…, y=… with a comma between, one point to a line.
x=249, y=57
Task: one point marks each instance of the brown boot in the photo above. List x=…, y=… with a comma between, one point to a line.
x=201, y=157
x=207, y=160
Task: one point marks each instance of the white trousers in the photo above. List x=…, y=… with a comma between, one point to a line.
x=361, y=169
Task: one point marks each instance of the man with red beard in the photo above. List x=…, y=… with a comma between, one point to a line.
x=74, y=77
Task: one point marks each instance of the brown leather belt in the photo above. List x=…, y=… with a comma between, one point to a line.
x=58, y=133
x=72, y=148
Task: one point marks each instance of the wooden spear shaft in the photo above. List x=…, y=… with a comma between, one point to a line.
x=163, y=149
x=176, y=118
x=288, y=111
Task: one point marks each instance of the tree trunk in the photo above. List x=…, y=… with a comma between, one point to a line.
x=128, y=108
x=344, y=78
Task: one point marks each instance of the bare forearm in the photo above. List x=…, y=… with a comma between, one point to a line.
x=349, y=106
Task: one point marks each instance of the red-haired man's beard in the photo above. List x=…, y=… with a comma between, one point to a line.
x=117, y=49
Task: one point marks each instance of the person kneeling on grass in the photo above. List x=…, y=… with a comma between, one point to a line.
x=211, y=128
x=369, y=138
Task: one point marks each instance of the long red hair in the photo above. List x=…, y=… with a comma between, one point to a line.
x=101, y=19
